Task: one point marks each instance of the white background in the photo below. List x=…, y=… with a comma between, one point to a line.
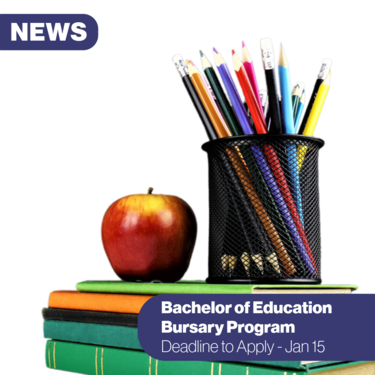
x=82, y=129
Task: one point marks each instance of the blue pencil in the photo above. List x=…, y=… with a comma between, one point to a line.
x=301, y=106
x=286, y=102
x=286, y=93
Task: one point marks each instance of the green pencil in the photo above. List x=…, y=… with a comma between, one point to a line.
x=222, y=101
x=296, y=97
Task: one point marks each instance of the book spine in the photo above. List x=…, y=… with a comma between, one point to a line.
x=51, y=354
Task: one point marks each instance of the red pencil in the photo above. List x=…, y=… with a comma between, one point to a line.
x=249, y=94
x=270, y=151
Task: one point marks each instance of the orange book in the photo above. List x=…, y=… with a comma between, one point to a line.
x=119, y=303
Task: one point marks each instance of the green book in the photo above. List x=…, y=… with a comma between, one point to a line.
x=127, y=338
x=201, y=287
x=89, y=333
x=98, y=360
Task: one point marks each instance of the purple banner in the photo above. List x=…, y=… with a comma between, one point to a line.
x=47, y=32
x=254, y=327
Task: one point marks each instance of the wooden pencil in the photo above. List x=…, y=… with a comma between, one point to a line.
x=208, y=102
x=222, y=100
x=322, y=75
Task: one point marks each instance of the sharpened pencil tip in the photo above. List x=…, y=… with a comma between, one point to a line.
x=233, y=52
x=187, y=62
x=243, y=44
x=201, y=53
x=215, y=51
x=282, y=58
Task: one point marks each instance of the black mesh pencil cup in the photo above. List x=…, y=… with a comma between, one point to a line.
x=264, y=209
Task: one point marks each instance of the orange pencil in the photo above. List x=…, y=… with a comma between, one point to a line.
x=250, y=97
x=208, y=102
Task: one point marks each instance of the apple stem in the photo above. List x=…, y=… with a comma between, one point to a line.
x=150, y=190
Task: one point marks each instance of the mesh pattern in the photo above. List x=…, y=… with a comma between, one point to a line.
x=264, y=209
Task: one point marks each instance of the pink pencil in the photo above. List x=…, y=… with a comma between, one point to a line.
x=249, y=69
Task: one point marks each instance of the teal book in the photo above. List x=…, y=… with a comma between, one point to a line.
x=99, y=360
x=201, y=287
x=89, y=333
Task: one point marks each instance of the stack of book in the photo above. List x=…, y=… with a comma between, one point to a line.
x=94, y=330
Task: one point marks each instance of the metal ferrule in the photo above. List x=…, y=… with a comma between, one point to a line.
x=324, y=70
x=181, y=65
x=268, y=59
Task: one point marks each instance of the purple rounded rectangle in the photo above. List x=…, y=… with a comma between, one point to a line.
x=240, y=327
x=43, y=32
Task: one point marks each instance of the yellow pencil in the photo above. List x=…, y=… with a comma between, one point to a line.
x=314, y=116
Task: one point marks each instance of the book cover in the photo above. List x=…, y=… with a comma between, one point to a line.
x=127, y=320
x=98, y=360
x=201, y=287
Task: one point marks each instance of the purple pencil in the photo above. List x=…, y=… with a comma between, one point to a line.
x=233, y=94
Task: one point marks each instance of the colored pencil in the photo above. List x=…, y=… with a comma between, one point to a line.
x=286, y=95
x=286, y=101
x=250, y=72
x=250, y=96
x=264, y=100
x=208, y=86
x=208, y=102
x=234, y=96
x=222, y=100
x=264, y=97
x=323, y=73
x=314, y=116
x=245, y=259
x=318, y=106
x=184, y=74
x=296, y=97
x=301, y=105
x=273, y=95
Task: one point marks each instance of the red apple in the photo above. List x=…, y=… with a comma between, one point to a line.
x=149, y=237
